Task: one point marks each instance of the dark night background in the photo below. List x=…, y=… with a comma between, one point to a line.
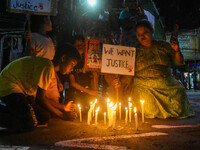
x=185, y=13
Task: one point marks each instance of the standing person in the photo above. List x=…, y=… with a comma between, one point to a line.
x=38, y=43
x=195, y=80
x=134, y=12
x=153, y=82
x=22, y=88
x=80, y=80
x=127, y=20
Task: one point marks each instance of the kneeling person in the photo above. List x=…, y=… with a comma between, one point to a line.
x=22, y=88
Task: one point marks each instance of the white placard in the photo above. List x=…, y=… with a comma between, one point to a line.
x=117, y=59
x=40, y=6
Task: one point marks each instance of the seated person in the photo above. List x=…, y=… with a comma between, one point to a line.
x=153, y=82
x=22, y=88
x=117, y=81
x=80, y=80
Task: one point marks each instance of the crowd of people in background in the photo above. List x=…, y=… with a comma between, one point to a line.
x=32, y=86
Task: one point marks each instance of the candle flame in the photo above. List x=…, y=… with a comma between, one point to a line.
x=135, y=109
x=80, y=108
x=126, y=108
x=142, y=101
x=97, y=109
x=104, y=113
x=95, y=101
x=111, y=104
x=129, y=99
x=108, y=100
x=119, y=104
x=130, y=105
x=115, y=107
x=78, y=105
x=91, y=103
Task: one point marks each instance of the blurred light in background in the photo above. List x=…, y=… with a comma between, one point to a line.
x=92, y=2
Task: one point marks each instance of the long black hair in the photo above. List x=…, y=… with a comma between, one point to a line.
x=144, y=23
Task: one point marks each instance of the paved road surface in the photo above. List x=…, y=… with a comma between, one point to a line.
x=156, y=134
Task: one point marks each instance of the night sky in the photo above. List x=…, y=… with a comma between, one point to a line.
x=184, y=13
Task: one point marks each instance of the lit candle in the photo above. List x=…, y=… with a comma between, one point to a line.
x=89, y=116
x=94, y=106
x=110, y=114
x=136, y=119
x=126, y=116
x=80, y=115
x=104, y=117
x=130, y=111
x=90, y=112
x=129, y=101
x=114, y=115
x=96, y=115
x=142, y=102
x=120, y=115
x=108, y=102
x=90, y=105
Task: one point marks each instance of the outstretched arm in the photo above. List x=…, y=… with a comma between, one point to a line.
x=51, y=105
x=79, y=87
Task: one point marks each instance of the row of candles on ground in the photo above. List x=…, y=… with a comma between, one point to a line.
x=111, y=113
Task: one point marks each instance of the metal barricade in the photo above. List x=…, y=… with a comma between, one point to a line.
x=13, y=44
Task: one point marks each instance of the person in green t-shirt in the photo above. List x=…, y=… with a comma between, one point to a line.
x=22, y=88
